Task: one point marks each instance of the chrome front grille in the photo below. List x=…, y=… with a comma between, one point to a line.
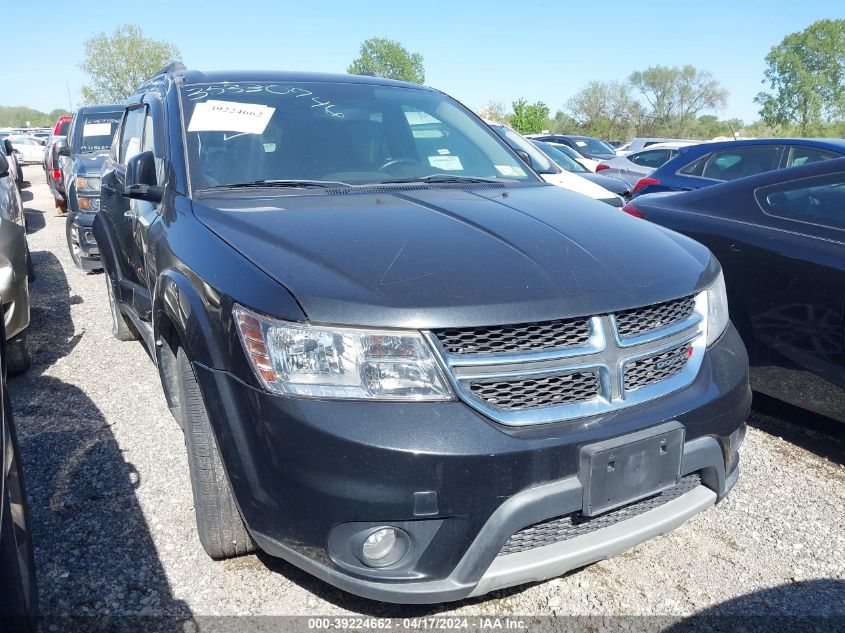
x=535, y=373
x=652, y=369
x=525, y=337
x=542, y=391
x=642, y=320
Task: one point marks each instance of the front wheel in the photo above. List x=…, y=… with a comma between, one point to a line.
x=18, y=359
x=73, y=246
x=19, y=603
x=221, y=529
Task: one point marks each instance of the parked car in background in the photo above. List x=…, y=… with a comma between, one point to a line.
x=640, y=143
x=348, y=266
x=31, y=150
x=780, y=237
x=589, y=163
x=562, y=160
x=18, y=588
x=15, y=271
x=586, y=145
x=635, y=166
x=548, y=170
x=706, y=164
x=15, y=170
x=51, y=162
x=81, y=161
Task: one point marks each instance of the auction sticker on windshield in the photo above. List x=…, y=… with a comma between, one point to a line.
x=230, y=116
x=96, y=129
x=447, y=163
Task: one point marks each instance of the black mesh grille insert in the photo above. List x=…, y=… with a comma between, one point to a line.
x=529, y=393
x=652, y=369
x=572, y=525
x=641, y=320
x=526, y=337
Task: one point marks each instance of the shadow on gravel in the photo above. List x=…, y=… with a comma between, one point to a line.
x=815, y=433
x=95, y=557
x=777, y=609
x=26, y=196
x=34, y=220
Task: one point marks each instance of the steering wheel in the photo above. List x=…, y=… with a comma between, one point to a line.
x=396, y=162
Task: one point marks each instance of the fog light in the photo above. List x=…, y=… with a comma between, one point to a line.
x=379, y=544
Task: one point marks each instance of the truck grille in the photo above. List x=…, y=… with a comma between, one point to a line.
x=566, y=527
x=515, y=338
x=528, y=393
x=652, y=369
x=537, y=373
x=642, y=320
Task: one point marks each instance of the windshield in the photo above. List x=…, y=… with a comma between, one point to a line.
x=592, y=145
x=539, y=161
x=96, y=131
x=335, y=133
x=563, y=160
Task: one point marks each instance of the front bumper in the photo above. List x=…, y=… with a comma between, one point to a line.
x=304, y=471
x=80, y=236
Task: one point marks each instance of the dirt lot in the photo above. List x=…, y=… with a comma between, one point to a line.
x=114, y=524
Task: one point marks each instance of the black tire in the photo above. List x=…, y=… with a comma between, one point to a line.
x=121, y=329
x=72, y=246
x=221, y=529
x=19, y=604
x=30, y=267
x=18, y=359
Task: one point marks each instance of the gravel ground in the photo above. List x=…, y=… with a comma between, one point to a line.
x=114, y=525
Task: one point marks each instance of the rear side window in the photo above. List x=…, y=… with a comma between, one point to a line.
x=740, y=162
x=653, y=158
x=819, y=201
x=806, y=155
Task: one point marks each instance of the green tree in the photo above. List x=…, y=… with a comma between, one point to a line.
x=388, y=58
x=806, y=76
x=17, y=116
x=117, y=64
x=528, y=118
x=607, y=109
x=677, y=95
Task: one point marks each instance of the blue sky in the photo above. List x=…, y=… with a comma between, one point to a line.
x=475, y=51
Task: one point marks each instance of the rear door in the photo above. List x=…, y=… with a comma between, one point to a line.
x=797, y=297
x=643, y=163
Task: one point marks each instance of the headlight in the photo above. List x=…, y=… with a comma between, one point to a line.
x=89, y=204
x=88, y=184
x=335, y=362
x=717, y=309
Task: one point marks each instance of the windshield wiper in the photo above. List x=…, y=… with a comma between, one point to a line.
x=437, y=178
x=291, y=184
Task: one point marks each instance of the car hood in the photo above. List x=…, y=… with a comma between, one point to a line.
x=615, y=185
x=426, y=257
x=574, y=182
x=90, y=164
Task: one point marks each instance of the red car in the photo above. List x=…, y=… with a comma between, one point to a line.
x=51, y=162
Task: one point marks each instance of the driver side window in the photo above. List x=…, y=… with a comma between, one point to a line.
x=132, y=134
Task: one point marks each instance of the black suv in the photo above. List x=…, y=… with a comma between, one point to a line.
x=402, y=361
x=81, y=160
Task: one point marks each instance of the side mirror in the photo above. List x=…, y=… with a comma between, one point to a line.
x=4, y=166
x=141, y=179
x=7, y=147
x=64, y=151
x=524, y=156
x=58, y=146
